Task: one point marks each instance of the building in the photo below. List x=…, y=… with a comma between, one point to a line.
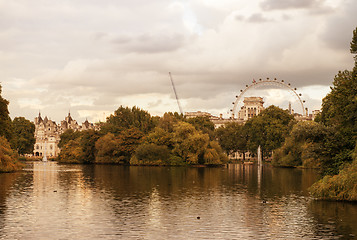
x=252, y=107
x=47, y=134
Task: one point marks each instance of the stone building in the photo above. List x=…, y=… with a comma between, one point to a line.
x=47, y=134
x=252, y=107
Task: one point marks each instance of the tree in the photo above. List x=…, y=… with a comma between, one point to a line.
x=232, y=137
x=23, y=135
x=71, y=152
x=204, y=124
x=5, y=120
x=353, y=49
x=8, y=157
x=180, y=143
x=339, y=111
x=67, y=136
x=125, y=118
x=305, y=146
x=87, y=142
x=268, y=129
x=118, y=149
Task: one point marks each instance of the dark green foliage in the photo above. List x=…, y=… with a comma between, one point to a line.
x=130, y=136
x=125, y=118
x=67, y=136
x=179, y=143
x=78, y=147
x=339, y=111
x=87, y=142
x=203, y=124
x=305, y=146
x=268, y=129
x=233, y=137
x=118, y=149
x=342, y=186
x=23, y=135
x=152, y=153
x=354, y=43
x=168, y=121
x=5, y=120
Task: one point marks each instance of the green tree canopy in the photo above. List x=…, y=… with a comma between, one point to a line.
x=23, y=135
x=126, y=118
x=268, y=129
x=5, y=120
x=233, y=137
x=339, y=110
x=204, y=124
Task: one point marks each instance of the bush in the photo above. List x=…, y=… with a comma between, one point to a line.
x=338, y=187
x=147, y=153
x=8, y=157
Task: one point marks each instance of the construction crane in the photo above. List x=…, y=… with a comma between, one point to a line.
x=177, y=99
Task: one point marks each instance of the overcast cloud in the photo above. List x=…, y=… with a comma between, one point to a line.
x=90, y=57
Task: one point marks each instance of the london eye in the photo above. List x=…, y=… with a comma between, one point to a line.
x=268, y=82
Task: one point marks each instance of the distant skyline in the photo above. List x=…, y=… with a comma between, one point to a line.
x=90, y=57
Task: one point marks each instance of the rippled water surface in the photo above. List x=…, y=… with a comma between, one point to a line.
x=52, y=201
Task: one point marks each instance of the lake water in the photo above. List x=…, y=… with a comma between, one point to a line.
x=53, y=201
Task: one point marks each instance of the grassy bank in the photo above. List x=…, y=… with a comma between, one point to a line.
x=341, y=187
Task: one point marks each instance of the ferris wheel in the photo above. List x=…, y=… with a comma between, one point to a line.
x=281, y=84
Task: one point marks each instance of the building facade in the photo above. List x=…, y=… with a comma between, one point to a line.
x=47, y=134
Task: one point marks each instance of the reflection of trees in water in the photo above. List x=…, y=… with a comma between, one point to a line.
x=334, y=219
x=7, y=180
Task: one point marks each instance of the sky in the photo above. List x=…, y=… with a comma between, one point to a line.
x=88, y=57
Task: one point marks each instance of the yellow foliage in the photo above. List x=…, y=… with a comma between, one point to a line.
x=8, y=157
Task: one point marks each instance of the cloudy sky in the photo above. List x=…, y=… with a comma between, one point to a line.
x=91, y=56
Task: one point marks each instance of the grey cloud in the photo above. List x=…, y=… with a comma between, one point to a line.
x=290, y=4
x=257, y=18
x=150, y=42
x=338, y=31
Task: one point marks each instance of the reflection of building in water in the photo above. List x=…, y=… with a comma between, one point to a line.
x=47, y=133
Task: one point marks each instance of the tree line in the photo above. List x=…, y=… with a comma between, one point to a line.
x=16, y=138
x=133, y=136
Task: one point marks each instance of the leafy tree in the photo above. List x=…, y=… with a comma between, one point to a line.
x=5, y=120
x=342, y=186
x=305, y=146
x=8, y=157
x=71, y=152
x=150, y=153
x=339, y=111
x=23, y=135
x=354, y=48
x=126, y=118
x=168, y=120
x=106, y=148
x=87, y=142
x=233, y=137
x=118, y=149
x=78, y=147
x=181, y=143
x=268, y=129
x=203, y=124
x=67, y=136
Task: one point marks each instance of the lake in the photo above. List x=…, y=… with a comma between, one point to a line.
x=55, y=201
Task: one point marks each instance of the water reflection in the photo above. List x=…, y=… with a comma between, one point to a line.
x=51, y=201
